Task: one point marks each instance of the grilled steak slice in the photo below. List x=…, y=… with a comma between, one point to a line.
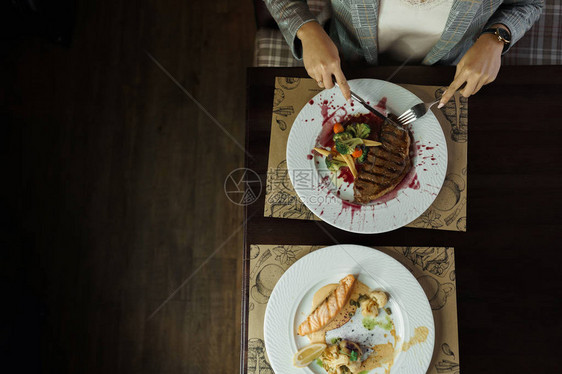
x=385, y=167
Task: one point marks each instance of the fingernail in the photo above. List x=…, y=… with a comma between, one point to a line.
x=349, y=100
x=441, y=105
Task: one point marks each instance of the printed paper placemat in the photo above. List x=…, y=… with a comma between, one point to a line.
x=433, y=267
x=448, y=211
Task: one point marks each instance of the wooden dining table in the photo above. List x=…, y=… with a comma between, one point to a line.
x=509, y=261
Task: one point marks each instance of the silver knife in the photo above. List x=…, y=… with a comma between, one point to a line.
x=373, y=110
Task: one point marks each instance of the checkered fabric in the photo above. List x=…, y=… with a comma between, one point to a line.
x=271, y=50
x=541, y=45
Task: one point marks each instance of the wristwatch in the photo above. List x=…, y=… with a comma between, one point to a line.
x=502, y=34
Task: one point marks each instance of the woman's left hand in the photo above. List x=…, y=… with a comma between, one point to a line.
x=479, y=66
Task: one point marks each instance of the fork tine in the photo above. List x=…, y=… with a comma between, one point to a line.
x=404, y=121
x=405, y=114
x=409, y=118
x=415, y=112
x=401, y=116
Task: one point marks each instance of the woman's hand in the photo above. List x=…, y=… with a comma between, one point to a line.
x=321, y=57
x=479, y=66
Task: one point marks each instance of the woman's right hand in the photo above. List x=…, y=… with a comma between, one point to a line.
x=321, y=57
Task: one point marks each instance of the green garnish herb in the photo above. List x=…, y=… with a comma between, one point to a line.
x=319, y=362
x=388, y=325
x=369, y=323
x=353, y=356
x=335, y=340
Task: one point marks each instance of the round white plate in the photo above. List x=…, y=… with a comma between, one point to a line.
x=291, y=300
x=332, y=202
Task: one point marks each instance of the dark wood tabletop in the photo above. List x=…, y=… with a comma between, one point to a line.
x=509, y=262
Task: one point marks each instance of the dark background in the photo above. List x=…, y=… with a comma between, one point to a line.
x=120, y=251
x=112, y=195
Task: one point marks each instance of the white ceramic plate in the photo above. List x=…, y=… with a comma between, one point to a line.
x=291, y=300
x=332, y=202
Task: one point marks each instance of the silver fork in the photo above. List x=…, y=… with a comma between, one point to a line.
x=415, y=112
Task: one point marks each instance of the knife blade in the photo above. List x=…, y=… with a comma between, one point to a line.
x=373, y=110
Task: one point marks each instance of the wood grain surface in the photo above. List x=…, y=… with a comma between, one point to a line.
x=121, y=251
x=508, y=279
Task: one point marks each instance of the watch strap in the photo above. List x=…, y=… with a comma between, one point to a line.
x=494, y=31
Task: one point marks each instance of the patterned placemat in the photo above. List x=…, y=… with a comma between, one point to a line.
x=448, y=211
x=433, y=267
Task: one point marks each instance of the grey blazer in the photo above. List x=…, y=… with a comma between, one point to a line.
x=354, y=25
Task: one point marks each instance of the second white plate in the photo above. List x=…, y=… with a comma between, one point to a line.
x=290, y=303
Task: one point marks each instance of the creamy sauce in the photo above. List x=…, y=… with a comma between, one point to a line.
x=396, y=337
x=383, y=354
x=420, y=335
